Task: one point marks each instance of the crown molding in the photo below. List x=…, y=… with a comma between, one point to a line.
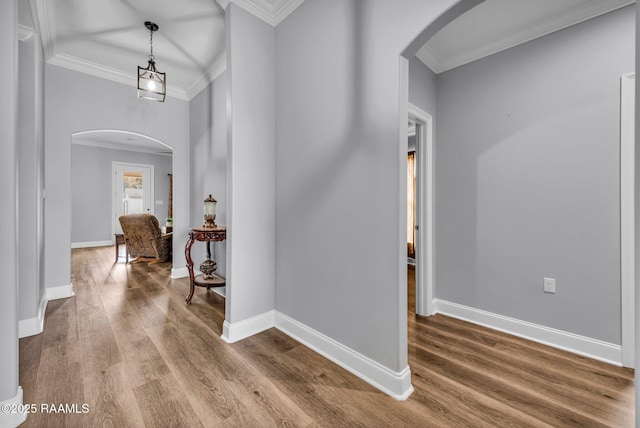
x=43, y=15
x=216, y=70
x=273, y=12
x=530, y=32
x=24, y=32
x=98, y=70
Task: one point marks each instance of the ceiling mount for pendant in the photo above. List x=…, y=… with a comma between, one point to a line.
x=151, y=26
x=151, y=83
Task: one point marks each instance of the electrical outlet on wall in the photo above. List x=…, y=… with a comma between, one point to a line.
x=549, y=285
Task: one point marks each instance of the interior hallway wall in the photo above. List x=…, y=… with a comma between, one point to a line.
x=250, y=169
x=31, y=178
x=422, y=86
x=340, y=249
x=9, y=225
x=208, y=131
x=527, y=178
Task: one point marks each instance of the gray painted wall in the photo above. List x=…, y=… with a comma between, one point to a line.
x=340, y=240
x=422, y=87
x=637, y=219
x=92, y=194
x=9, y=223
x=250, y=163
x=68, y=110
x=527, y=178
x=30, y=177
x=208, y=130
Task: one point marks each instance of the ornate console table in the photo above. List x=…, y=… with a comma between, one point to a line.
x=208, y=278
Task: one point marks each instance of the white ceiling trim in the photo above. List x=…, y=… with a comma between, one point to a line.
x=272, y=12
x=42, y=14
x=24, y=32
x=98, y=70
x=218, y=68
x=427, y=55
x=116, y=146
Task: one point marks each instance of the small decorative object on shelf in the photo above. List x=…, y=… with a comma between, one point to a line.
x=209, y=213
x=208, y=267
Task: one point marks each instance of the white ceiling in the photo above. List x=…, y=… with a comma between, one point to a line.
x=108, y=38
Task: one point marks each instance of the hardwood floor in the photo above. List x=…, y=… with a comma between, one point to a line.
x=129, y=347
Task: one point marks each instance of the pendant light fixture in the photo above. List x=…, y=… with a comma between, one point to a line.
x=151, y=83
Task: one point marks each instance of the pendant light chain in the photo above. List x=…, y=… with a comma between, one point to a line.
x=151, y=57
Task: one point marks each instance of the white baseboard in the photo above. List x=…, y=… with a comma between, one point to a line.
x=221, y=291
x=12, y=419
x=396, y=384
x=177, y=273
x=35, y=325
x=60, y=292
x=92, y=244
x=243, y=329
x=586, y=346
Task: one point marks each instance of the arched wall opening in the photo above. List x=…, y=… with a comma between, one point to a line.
x=95, y=154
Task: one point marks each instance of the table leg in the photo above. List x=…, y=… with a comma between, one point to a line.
x=187, y=256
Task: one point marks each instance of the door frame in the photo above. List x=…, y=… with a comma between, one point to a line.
x=425, y=239
x=114, y=166
x=627, y=218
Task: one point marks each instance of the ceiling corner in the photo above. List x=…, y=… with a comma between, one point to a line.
x=42, y=20
x=24, y=32
x=429, y=58
x=273, y=12
x=196, y=87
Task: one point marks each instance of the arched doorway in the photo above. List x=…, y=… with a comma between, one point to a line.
x=102, y=158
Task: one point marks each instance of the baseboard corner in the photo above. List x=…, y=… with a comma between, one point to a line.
x=395, y=384
x=59, y=292
x=177, y=273
x=233, y=332
x=13, y=419
x=32, y=326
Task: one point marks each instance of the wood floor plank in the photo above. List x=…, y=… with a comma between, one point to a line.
x=61, y=324
x=111, y=400
x=99, y=348
x=141, y=358
x=59, y=382
x=554, y=386
x=129, y=347
x=577, y=382
x=30, y=357
x=162, y=406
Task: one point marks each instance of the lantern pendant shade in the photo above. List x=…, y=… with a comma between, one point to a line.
x=151, y=83
x=210, y=212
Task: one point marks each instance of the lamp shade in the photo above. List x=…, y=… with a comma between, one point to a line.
x=151, y=83
x=210, y=212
